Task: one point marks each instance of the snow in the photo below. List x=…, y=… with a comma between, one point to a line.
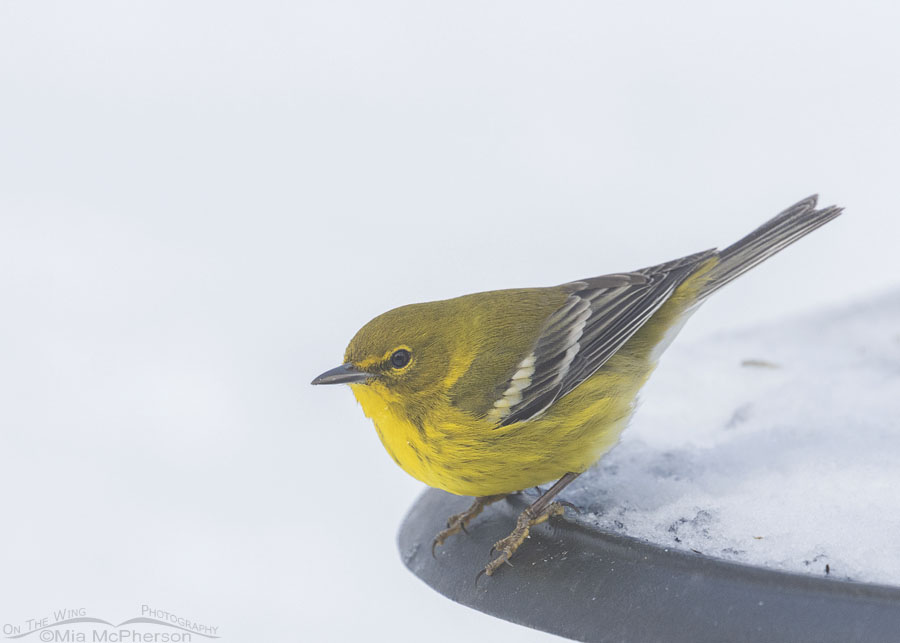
x=777, y=446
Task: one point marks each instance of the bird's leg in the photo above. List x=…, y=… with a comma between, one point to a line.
x=459, y=522
x=536, y=513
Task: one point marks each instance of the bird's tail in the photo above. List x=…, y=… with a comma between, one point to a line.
x=773, y=236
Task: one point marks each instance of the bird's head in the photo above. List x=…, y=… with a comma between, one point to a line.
x=401, y=354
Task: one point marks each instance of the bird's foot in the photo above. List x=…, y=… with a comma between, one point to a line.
x=458, y=522
x=506, y=547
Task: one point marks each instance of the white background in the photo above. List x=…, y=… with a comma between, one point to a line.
x=201, y=202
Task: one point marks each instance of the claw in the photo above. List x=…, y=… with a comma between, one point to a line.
x=491, y=568
x=566, y=503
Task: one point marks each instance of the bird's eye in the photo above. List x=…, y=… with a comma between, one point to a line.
x=400, y=358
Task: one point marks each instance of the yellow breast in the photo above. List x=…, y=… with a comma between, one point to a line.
x=469, y=456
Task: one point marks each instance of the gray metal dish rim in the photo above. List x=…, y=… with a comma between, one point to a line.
x=575, y=581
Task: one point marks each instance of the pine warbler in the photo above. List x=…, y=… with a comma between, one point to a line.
x=491, y=393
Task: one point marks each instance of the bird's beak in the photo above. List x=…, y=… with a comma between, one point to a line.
x=343, y=374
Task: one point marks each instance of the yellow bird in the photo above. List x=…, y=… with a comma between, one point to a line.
x=488, y=394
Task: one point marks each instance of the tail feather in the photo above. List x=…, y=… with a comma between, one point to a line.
x=773, y=236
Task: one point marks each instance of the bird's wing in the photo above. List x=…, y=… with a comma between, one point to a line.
x=597, y=318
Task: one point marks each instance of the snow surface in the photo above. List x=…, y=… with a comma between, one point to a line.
x=777, y=446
